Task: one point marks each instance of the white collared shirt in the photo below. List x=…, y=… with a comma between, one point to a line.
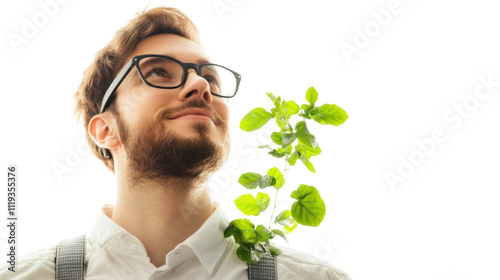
x=113, y=253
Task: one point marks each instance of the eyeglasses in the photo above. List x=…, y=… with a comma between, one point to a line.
x=161, y=71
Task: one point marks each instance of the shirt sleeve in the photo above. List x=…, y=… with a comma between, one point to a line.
x=296, y=265
x=36, y=265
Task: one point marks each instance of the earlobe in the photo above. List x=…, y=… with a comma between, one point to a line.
x=102, y=133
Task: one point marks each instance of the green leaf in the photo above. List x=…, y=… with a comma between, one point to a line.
x=290, y=229
x=277, y=153
x=276, y=137
x=265, y=147
x=304, y=115
x=242, y=230
x=304, y=135
x=280, y=233
x=248, y=205
x=285, y=218
x=271, y=96
x=308, y=151
x=313, y=111
x=278, y=106
x=263, y=234
x=251, y=180
x=276, y=173
x=306, y=107
x=288, y=138
x=307, y=163
x=281, y=112
x=255, y=119
x=275, y=251
x=273, y=111
x=282, y=123
x=267, y=181
x=262, y=200
x=290, y=108
x=248, y=255
x=329, y=114
x=292, y=159
x=309, y=209
x=311, y=95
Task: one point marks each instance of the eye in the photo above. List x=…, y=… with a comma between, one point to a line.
x=158, y=72
x=211, y=80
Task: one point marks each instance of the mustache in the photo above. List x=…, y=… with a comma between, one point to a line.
x=195, y=103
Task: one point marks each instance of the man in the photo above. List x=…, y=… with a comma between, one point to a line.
x=155, y=112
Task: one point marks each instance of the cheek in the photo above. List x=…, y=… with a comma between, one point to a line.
x=130, y=102
x=142, y=101
x=223, y=110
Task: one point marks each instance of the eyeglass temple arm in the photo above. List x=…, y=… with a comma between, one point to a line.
x=116, y=83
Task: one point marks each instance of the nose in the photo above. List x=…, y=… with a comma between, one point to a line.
x=195, y=87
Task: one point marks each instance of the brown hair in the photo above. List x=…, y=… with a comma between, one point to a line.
x=109, y=61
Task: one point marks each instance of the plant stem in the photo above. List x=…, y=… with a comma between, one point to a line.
x=274, y=208
x=276, y=196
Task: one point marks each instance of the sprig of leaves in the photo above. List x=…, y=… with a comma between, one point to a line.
x=309, y=208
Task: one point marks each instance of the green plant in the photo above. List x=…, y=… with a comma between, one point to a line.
x=309, y=208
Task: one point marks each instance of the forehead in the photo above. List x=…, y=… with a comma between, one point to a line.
x=171, y=44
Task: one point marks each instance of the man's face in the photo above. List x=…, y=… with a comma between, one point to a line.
x=168, y=133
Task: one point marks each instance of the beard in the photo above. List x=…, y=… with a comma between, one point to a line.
x=155, y=152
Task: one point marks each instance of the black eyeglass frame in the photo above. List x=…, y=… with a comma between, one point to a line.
x=134, y=62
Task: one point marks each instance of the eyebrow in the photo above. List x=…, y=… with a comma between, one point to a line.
x=199, y=61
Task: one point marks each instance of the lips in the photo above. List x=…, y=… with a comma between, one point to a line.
x=194, y=113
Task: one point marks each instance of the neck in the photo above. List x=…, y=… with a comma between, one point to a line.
x=162, y=214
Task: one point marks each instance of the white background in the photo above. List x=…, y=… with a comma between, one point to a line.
x=426, y=61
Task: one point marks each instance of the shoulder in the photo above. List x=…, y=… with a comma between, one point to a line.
x=36, y=265
x=293, y=264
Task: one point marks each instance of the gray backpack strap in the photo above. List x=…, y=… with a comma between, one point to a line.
x=265, y=269
x=70, y=259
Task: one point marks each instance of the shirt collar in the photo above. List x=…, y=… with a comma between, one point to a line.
x=207, y=243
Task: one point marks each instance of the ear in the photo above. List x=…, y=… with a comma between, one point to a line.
x=102, y=131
